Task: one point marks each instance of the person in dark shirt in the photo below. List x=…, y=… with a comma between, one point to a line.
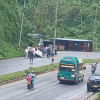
x=31, y=55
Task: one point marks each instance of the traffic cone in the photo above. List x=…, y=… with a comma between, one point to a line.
x=87, y=54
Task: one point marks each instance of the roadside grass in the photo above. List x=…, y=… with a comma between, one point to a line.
x=12, y=76
x=4, y=79
x=98, y=98
x=90, y=60
x=38, y=70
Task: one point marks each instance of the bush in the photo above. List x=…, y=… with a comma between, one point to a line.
x=40, y=70
x=90, y=60
x=19, y=74
x=98, y=98
x=8, y=77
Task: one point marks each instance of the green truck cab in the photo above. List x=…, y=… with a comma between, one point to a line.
x=70, y=70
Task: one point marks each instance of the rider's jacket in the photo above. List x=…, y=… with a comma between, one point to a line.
x=94, y=64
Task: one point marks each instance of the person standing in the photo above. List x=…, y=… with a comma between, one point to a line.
x=31, y=55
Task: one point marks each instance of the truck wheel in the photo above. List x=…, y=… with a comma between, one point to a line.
x=60, y=82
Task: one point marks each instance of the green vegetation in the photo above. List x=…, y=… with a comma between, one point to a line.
x=18, y=75
x=39, y=18
x=12, y=76
x=90, y=60
x=98, y=98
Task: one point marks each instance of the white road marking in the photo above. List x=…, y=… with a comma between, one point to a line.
x=32, y=92
x=76, y=95
x=55, y=83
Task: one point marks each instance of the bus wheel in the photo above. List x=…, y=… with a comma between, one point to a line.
x=82, y=80
x=60, y=81
x=77, y=81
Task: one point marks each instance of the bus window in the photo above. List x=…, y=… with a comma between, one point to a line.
x=67, y=67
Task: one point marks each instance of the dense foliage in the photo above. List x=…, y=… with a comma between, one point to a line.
x=39, y=18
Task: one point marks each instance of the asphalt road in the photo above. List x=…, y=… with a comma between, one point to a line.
x=47, y=87
x=21, y=63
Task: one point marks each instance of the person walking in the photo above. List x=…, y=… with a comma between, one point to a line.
x=31, y=55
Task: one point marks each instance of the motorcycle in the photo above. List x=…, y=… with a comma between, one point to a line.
x=29, y=85
x=93, y=69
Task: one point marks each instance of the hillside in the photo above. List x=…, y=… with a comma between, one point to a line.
x=76, y=19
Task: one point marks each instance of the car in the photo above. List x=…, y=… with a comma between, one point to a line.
x=93, y=82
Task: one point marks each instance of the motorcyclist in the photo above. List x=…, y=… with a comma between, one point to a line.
x=94, y=64
x=33, y=77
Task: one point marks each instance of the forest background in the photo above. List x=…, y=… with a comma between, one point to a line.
x=76, y=19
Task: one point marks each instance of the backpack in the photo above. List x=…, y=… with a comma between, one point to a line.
x=29, y=78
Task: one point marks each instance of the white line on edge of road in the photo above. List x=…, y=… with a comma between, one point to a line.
x=55, y=83
x=76, y=95
x=32, y=92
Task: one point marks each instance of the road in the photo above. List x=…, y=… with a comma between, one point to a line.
x=21, y=63
x=47, y=87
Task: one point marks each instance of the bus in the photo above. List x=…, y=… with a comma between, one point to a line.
x=70, y=70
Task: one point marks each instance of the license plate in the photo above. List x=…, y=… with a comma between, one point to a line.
x=95, y=86
x=28, y=82
x=62, y=77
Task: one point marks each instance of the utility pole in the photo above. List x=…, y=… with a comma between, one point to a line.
x=55, y=32
x=81, y=13
x=21, y=25
x=95, y=20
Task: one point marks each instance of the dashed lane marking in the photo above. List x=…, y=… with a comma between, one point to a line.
x=32, y=92
x=55, y=83
x=76, y=95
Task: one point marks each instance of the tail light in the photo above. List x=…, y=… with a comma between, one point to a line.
x=58, y=71
x=75, y=72
x=93, y=67
x=88, y=81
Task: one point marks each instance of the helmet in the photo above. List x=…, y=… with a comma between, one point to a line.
x=94, y=61
x=32, y=72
